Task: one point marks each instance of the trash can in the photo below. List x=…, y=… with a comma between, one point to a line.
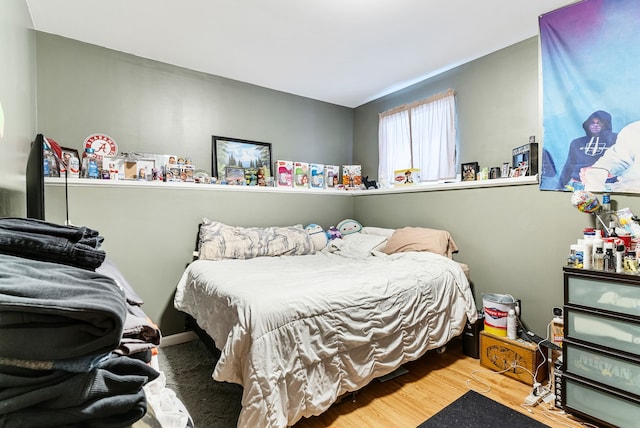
x=496, y=308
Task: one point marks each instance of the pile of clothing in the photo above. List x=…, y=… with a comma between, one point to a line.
x=75, y=346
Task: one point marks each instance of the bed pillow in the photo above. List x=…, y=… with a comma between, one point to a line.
x=219, y=241
x=380, y=231
x=421, y=239
x=357, y=245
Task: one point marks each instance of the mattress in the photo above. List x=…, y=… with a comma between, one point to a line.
x=297, y=332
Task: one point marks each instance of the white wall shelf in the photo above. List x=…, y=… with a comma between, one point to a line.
x=423, y=187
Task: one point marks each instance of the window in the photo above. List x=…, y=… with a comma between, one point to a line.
x=420, y=135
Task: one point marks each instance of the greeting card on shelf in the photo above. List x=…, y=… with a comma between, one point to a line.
x=331, y=176
x=316, y=174
x=284, y=171
x=351, y=175
x=301, y=175
x=406, y=176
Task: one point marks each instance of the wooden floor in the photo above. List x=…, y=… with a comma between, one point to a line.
x=433, y=382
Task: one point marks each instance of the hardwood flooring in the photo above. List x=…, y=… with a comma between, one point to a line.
x=433, y=382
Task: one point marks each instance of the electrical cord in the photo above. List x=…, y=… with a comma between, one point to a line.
x=476, y=379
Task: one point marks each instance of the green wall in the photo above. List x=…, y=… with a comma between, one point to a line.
x=17, y=103
x=150, y=232
x=514, y=239
x=148, y=106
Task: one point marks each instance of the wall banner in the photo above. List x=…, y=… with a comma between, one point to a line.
x=591, y=96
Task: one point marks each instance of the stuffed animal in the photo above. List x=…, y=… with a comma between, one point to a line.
x=333, y=233
x=317, y=235
x=349, y=226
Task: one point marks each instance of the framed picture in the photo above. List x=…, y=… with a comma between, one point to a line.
x=236, y=153
x=505, y=170
x=469, y=171
x=67, y=153
x=234, y=175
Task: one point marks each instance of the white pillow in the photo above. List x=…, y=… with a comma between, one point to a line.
x=380, y=231
x=358, y=245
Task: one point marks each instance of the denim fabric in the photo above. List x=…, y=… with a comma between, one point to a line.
x=40, y=240
x=80, y=234
x=50, y=311
x=114, y=375
x=109, y=396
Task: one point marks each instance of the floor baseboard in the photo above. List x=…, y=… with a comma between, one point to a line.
x=178, y=338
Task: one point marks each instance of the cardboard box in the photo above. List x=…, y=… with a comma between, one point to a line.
x=517, y=358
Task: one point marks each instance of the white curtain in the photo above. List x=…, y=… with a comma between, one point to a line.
x=420, y=135
x=433, y=138
x=394, y=145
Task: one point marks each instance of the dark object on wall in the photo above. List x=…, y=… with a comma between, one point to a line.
x=35, y=179
x=526, y=158
x=237, y=153
x=471, y=337
x=469, y=171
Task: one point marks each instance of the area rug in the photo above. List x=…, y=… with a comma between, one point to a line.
x=475, y=410
x=188, y=368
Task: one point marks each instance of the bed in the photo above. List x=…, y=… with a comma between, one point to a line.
x=299, y=327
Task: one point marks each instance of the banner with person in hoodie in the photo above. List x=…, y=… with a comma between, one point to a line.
x=591, y=86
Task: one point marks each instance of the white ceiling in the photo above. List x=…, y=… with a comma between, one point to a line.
x=346, y=52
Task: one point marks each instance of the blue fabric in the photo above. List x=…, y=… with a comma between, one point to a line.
x=50, y=311
x=39, y=240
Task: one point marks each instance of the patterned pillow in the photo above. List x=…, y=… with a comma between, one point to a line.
x=219, y=241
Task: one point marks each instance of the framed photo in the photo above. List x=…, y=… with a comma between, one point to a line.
x=67, y=153
x=505, y=170
x=469, y=171
x=237, y=153
x=234, y=175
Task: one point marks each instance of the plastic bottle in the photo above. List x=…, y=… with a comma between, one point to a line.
x=598, y=259
x=597, y=240
x=45, y=163
x=609, y=261
x=512, y=325
x=619, y=258
x=587, y=262
x=90, y=164
x=74, y=167
x=606, y=202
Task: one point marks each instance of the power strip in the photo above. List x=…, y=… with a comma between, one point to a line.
x=539, y=393
x=532, y=400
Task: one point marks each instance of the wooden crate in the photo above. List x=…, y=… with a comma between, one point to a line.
x=515, y=358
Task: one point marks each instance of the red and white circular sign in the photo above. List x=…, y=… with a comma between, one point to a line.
x=102, y=144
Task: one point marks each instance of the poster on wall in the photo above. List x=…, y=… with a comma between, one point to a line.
x=591, y=93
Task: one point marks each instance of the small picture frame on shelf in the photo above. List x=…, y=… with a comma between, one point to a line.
x=505, y=170
x=67, y=154
x=234, y=175
x=469, y=171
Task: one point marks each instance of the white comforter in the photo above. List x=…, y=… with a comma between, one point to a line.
x=299, y=331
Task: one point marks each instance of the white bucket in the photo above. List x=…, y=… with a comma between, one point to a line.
x=496, y=308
